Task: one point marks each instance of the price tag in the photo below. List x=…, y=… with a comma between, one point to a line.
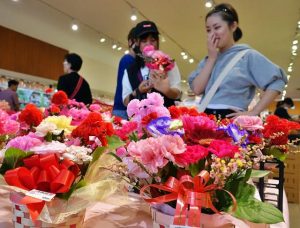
x=46, y=196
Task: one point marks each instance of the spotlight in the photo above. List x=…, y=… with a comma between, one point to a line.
x=208, y=4
x=114, y=46
x=182, y=53
x=185, y=57
x=126, y=52
x=191, y=60
x=133, y=16
x=102, y=40
x=74, y=26
x=119, y=48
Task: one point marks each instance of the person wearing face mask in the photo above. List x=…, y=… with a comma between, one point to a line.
x=138, y=79
x=241, y=69
x=282, y=107
x=74, y=85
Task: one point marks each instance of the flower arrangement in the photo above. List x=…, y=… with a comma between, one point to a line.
x=194, y=162
x=56, y=156
x=156, y=59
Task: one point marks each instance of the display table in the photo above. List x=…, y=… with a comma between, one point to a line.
x=137, y=214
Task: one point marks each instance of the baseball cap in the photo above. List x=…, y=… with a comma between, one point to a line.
x=145, y=27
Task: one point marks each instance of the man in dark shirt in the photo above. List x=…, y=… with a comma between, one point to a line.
x=11, y=96
x=74, y=85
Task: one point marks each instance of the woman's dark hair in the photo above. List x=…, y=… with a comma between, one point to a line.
x=75, y=61
x=131, y=36
x=138, y=59
x=228, y=14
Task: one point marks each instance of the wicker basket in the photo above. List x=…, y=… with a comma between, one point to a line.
x=21, y=217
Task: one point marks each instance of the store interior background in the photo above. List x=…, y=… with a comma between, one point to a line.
x=270, y=26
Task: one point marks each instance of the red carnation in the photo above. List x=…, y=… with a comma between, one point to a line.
x=31, y=115
x=54, y=109
x=93, y=125
x=60, y=98
x=192, y=155
x=175, y=112
x=147, y=119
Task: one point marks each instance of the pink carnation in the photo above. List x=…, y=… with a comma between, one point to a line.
x=126, y=129
x=155, y=153
x=24, y=142
x=250, y=123
x=192, y=155
x=78, y=115
x=223, y=148
x=95, y=108
x=11, y=127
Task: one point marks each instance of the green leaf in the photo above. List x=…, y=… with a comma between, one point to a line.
x=277, y=154
x=254, y=210
x=197, y=167
x=13, y=158
x=97, y=153
x=258, y=212
x=115, y=156
x=259, y=173
x=114, y=142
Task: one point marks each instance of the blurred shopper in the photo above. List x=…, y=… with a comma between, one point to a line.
x=10, y=95
x=74, y=85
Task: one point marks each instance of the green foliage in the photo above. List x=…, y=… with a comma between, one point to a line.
x=259, y=173
x=276, y=153
x=197, y=167
x=13, y=158
x=255, y=210
x=113, y=142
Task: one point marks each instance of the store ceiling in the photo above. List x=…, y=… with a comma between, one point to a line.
x=268, y=26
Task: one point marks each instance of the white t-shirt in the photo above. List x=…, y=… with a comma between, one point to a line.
x=173, y=75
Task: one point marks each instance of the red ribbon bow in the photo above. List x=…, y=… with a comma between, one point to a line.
x=191, y=195
x=45, y=173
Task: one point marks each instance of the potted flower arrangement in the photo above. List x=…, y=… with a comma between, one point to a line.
x=188, y=164
x=53, y=164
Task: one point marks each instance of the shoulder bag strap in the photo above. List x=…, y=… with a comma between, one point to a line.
x=217, y=83
x=79, y=83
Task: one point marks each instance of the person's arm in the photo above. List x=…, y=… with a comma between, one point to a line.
x=167, y=83
x=264, y=102
x=201, y=80
x=128, y=94
x=16, y=102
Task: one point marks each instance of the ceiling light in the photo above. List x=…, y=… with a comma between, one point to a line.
x=119, y=48
x=126, y=52
x=182, y=53
x=102, y=40
x=74, y=26
x=185, y=57
x=295, y=41
x=294, y=47
x=114, y=46
x=285, y=86
x=133, y=16
x=15, y=0
x=163, y=39
x=208, y=4
x=288, y=77
x=191, y=60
